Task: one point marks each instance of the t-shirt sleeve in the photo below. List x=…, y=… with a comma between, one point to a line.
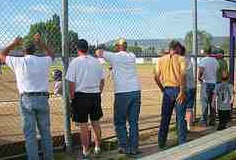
x=109, y=56
x=49, y=60
x=70, y=75
x=183, y=65
x=12, y=62
x=202, y=63
x=156, y=68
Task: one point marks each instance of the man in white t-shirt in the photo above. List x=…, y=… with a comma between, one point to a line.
x=207, y=75
x=86, y=80
x=32, y=81
x=127, y=96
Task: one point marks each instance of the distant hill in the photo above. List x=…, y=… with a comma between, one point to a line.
x=218, y=41
x=163, y=43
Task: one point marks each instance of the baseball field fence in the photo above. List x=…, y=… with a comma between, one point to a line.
x=100, y=23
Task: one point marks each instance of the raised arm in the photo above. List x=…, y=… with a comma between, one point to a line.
x=99, y=52
x=43, y=46
x=11, y=46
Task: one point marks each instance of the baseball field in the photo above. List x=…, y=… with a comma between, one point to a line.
x=10, y=121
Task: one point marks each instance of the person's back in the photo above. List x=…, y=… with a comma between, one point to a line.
x=170, y=67
x=86, y=81
x=170, y=75
x=208, y=75
x=224, y=95
x=89, y=72
x=210, y=66
x=31, y=72
x=127, y=96
x=224, y=100
x=125, y=74
x=32, y=82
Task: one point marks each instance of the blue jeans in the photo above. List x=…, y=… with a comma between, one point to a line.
x=127, y=106
x=168, y=104
x=35, y=112
x=206, y=99
x=190, y=97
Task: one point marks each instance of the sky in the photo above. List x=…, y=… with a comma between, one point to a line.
x=104, y=20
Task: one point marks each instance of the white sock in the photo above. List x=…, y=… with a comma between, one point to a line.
x=97, y=148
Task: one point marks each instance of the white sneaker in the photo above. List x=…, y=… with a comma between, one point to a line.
x=97, y=151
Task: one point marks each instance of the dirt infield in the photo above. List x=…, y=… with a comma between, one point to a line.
x=10, y=121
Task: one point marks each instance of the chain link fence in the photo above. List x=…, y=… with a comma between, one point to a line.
x=100, y=22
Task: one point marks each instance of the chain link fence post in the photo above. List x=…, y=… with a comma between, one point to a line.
x=195, y=52
x=65, y=62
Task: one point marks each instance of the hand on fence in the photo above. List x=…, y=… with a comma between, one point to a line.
x=99, y=52
x=17, y=41
x=37, y=38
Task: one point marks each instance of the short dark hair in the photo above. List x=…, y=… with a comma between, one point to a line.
x=82, y=45
x=174, y=44
x=207, y=49
x=29, y=47
x=183, y=50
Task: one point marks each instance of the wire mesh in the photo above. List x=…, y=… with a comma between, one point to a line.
x=99, y=22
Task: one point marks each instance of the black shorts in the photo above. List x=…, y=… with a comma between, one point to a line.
x=85, y=104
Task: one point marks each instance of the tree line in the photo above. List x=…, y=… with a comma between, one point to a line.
x=50, y=31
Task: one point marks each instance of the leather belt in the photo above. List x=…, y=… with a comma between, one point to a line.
x=35, y=94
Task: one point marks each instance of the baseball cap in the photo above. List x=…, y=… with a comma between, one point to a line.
x=82, y=45
x=121, y=41
x=218, y=51
x=29, y=47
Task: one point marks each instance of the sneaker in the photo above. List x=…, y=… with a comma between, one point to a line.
x=212, y=123
x=83, y=157
x=133, y=152
x=97, y=151
x=221, y=127
x=203, y=124
x=121, y=150
x=161, y=144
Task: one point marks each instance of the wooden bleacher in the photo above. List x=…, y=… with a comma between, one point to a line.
x=204, y=148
